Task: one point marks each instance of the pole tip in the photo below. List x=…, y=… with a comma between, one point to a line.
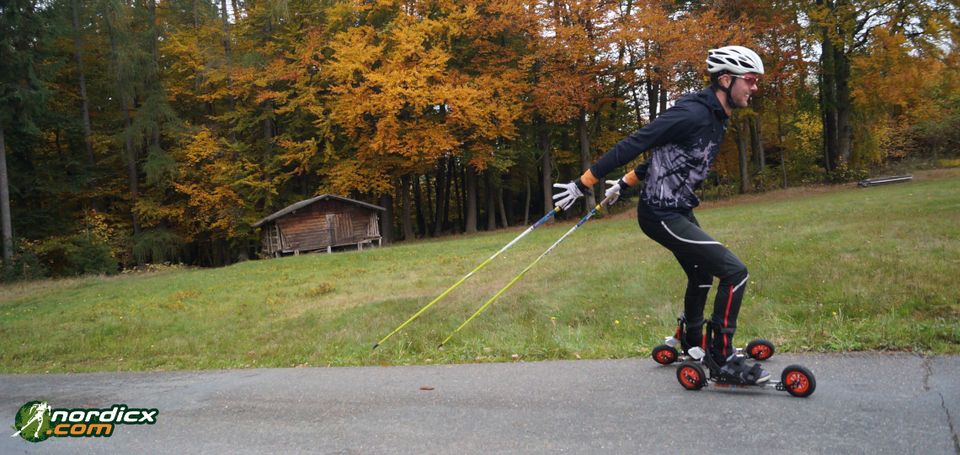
x=440, y=347
x=375, y=347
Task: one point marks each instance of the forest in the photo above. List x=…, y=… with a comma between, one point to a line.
x=138, y=132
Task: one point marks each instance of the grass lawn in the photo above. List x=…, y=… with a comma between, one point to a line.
x=831, y=269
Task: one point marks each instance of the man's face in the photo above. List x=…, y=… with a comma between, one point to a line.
x=743, y=86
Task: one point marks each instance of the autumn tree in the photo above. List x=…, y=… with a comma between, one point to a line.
x=21, y=94
x=846, y=27
x=407, y=106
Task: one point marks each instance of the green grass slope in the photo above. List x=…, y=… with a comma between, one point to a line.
x=830, y=270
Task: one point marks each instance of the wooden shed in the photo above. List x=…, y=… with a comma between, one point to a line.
x=321, y=223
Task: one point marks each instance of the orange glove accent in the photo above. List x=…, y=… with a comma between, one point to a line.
x=631, y=179
x=588, y=179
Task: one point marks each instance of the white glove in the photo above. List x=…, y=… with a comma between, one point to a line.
x=569, y=194
x=615, y=187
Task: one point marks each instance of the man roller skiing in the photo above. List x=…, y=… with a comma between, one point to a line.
x=684, y=140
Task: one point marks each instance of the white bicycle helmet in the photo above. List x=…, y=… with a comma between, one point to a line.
x=735, y=59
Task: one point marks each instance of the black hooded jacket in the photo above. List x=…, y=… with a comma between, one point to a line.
x=684, y=140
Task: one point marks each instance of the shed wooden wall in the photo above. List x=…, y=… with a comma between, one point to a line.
x=322, y=224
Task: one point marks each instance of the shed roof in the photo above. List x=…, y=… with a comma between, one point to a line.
x=299, y=205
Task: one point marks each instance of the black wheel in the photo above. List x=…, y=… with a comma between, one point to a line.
x=664, y=354
x=691, y=376
x=760, y=349
x=798, y=381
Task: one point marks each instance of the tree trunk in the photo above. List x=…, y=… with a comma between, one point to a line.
x=131, y=151
x=636, y=107
x=526, y=200
x=418, y=204
x=828, y=98
x=470, y=181
x=756, y=143
x=155, y=78
x=546, y=163
x=783, y=153
x=84, y=101
x=663, y=99
x=448, y=191
x=490, y=196
x=405, y=223
x=5, y=220
x=457, y=192
x=441, y=186
x=430, y=218
x=743, y=136
x=236, y=11
x=227, y=54
x=132, y=173
x=585, y=158
x=653, y=95
x=226, y=29
x=386, y=221
x=844, y=105
x=200, y=73
x=503, y=210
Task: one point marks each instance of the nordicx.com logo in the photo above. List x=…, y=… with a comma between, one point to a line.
x=36, y=421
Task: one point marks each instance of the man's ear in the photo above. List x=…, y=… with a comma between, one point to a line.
x=727, y=78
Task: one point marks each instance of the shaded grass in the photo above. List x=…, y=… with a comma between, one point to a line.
x=846, y=269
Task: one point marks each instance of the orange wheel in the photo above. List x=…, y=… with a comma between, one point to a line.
x=691, y=376
x=664, y=354
x=760, y=349
x=798, y=381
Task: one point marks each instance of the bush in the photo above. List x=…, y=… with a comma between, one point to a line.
x=25, y=265
x=844, y=174
x=768, y=179
x=158, y=246
x=715, y=192
x=75, y=254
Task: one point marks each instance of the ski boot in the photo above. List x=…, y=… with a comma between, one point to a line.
x=667, y=353
x=701, y=368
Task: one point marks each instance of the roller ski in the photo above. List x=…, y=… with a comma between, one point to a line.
x=701, y=369
x=668, y=352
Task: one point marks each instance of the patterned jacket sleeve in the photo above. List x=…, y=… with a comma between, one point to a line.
x=674, y=125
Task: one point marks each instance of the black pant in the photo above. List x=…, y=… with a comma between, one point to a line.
x=702, y=258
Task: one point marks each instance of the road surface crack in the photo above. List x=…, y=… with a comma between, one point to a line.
x=953, y=431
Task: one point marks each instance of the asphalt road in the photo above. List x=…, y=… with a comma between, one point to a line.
x=864, y=403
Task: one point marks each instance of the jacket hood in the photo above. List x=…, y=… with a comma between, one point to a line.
x=708, y=98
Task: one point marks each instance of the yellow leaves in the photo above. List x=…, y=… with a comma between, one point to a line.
x=486, y=105
x=355, y=53
x=355, y=175
x=203, y=146
x=399, y=93
x=210, y=177
x=212, y=209
x=270, y=95
x=152, y=212
x=890, y=88
x=298, y=153
x=890, y=76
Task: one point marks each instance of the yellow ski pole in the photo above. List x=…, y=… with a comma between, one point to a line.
x=517, y=278
x=530, y=229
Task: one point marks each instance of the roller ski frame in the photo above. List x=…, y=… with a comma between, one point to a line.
x=667, y=353
x=701, y=369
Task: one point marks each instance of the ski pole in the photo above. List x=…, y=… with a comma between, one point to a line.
x=517, y=278
x=530, y=229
